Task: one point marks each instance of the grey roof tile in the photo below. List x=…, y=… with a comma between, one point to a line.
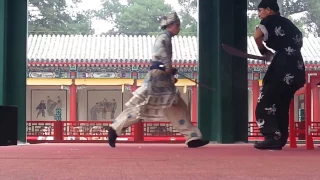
x=114, y=49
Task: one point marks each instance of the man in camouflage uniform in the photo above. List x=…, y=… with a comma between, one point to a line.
x=157, y=98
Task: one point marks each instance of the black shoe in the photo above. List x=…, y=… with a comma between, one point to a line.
x=269, y=144
x=284, y=140
x=197, y=143
x=112, y=137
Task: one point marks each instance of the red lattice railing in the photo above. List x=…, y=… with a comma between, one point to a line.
x=97, y=130
x=40, y=130
x=91, y=130
x=85, y=131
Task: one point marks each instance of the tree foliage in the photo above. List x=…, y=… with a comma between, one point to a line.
x=289, y=6
x=311, y=9
x=137, y=17
x=56, y=17
x=313, y=16
x=189, y=24
x=142, y=17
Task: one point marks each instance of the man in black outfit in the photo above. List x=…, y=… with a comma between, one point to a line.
x=285, y=75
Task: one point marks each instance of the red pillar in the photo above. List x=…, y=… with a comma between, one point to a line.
x=315, y=101
x=194, y=101
x=255, y=94
x=307, y=107
x=73, y=98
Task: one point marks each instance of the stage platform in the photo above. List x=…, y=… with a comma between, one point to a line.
x=156, y=162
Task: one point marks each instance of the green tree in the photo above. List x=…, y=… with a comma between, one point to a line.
x=137, y=17
x=56, y=17
x=313, y=17
x=253, y=21
x=142, y=17
x=189, y=25
x=291, y=7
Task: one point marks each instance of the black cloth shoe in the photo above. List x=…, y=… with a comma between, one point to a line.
x=112, y=137
x=197, y=143
x=270, y=143
x=284, y=140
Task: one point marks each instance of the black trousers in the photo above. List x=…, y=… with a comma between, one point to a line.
x=272, y=111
